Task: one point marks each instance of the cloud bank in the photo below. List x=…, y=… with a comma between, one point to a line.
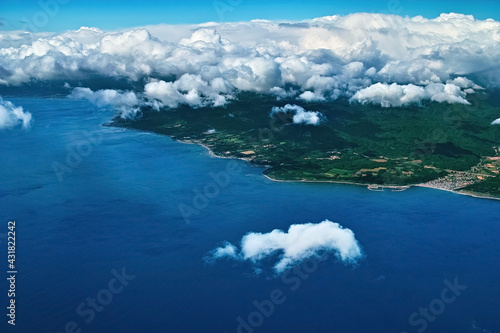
x=12, y=116
x=191, y=90
x=300, y=115
x=313, y=60
x=302, y=241
x=399, y=95
x=124, y=101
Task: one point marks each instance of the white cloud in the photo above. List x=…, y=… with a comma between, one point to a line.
x=309, y=96
x=126, y=102
x=302, y=241
x=11, y=116
x=300, y=115
x=318, y=59
x=464, y=83
x=228, y=250
x=307, y=118
x=191, y=90
x=188, y=89
x=398, y=95
x=496, y=122
x=282, y=93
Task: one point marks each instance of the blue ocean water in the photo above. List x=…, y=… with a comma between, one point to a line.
x=116, y=208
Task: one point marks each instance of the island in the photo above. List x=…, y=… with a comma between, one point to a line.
x=446, y=146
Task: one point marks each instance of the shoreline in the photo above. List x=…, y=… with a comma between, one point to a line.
x=394, y=188
x=466, y=193
x=376, y=187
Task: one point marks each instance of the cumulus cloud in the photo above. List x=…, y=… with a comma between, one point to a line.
x=300, y=115
x=313, y=60
x=397, y=95
x=191, y=90
x=302, y=241
x=309, y=96
x=464, y=83
x=11, y=116
x=496, y=122
x=126, y=102
x=228, y=250
x=282, y=93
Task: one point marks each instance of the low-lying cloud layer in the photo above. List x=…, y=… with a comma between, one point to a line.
x=189, y=89
x=313, y=60
x=300, y=115
x=302, y=241
x=126, y=102
x=399, y=95
x=11, y=116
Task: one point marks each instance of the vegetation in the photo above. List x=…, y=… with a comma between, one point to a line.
x=356, y=143
x=490, y=187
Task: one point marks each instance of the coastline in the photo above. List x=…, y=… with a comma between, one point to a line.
x=394, y=188
x=372, y=187
x=466, y=193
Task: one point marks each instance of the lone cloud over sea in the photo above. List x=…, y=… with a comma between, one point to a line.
x=300, y=242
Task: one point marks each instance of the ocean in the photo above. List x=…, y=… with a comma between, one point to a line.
x=97, y=217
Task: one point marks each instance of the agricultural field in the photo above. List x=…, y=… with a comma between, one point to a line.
x=452, y=146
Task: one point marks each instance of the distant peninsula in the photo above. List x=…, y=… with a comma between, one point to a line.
x=451, y=147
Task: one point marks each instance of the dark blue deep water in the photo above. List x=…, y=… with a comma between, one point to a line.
x=118, y=208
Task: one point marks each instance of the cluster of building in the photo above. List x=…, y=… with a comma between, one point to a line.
x=488, y=167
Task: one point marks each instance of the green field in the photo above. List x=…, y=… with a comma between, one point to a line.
x=357, y=143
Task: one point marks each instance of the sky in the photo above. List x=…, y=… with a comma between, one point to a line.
x=382, y=59
x=61, y=15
